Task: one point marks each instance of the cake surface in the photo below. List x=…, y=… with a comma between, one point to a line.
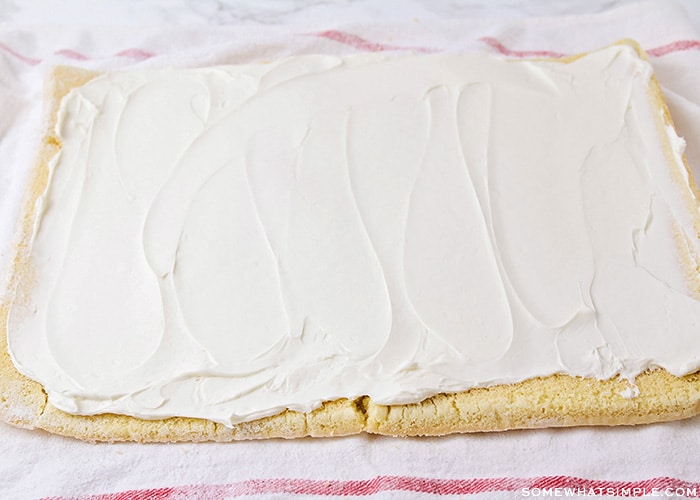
x=513, y=240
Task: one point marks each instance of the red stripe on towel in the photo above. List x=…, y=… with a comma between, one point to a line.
x=359, y=43
x=132, y=53
x=502, y=49
x=677, y=46
x=138, y=54
x=537, y=486
x=18, y=55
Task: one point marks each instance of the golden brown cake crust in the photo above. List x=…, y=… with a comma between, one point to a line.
x=556, y=401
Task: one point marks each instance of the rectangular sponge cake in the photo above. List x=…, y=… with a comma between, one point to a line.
x=322, y=246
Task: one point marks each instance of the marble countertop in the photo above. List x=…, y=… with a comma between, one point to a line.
x=290, y=12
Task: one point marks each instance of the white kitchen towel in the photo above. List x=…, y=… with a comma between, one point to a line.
x=650, y=461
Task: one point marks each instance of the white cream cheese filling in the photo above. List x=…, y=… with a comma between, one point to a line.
x=229, y=242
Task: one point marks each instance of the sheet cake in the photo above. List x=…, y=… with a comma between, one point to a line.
x=408, y=245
